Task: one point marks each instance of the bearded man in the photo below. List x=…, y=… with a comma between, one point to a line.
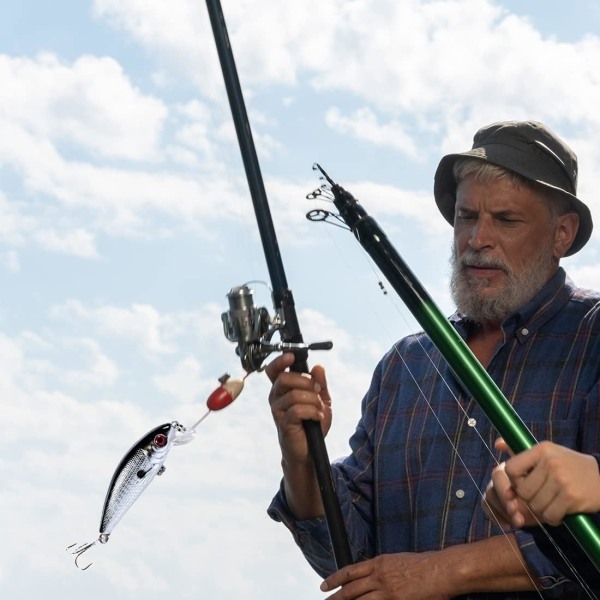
x=410, y=490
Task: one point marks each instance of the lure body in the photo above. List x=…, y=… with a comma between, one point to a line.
x=144, y=461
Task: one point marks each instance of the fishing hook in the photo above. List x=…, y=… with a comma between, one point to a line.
x=78, y=551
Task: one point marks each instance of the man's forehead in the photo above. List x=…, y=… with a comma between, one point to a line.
x=500, y=195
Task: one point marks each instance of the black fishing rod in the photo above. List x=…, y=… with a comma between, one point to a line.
x=251, y=327
x=465, y=366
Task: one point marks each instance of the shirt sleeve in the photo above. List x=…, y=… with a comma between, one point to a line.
x=312, y=535
x=554, y=582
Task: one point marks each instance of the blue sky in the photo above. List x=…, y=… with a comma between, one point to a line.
x=125, y=219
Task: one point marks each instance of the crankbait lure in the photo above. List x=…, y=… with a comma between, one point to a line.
x=145, y=460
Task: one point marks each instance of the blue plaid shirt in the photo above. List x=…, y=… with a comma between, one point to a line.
x=404, y=487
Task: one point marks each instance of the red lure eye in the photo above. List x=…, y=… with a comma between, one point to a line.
x=160, y=440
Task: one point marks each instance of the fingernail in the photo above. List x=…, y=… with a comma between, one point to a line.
x=518, y=521
x=317, y=387
x=324, y=587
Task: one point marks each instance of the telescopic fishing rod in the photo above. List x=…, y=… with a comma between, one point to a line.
x=467, y=369
x=252, y=328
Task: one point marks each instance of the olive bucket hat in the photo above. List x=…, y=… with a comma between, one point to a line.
x=530, y=149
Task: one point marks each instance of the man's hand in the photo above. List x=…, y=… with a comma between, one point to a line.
x=405, y=576
x=295, y=398
x=440, y=575
x=547, y=480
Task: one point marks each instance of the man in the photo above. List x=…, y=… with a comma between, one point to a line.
x=412, y=510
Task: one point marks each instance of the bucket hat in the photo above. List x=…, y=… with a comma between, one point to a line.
x=530, y=149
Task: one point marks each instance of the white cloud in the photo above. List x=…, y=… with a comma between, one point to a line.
x=14, y=226
x=116, y=200
x=66, y=126
x=179, y=35
x=101, y=370
x=11, y=357
x=184, y=381
x=77, y=242
x=140, y=323
x=363, y=124
x=586, y=276
x=90, y=103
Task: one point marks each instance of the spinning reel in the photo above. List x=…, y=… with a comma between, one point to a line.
x=253, y=328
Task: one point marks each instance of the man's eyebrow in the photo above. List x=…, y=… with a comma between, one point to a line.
x=508, y=212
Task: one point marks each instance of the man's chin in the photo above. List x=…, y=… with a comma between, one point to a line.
x=482, y=288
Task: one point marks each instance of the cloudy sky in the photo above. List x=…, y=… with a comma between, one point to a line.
x=125, y=219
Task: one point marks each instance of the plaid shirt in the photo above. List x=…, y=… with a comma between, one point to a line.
x=404, y=487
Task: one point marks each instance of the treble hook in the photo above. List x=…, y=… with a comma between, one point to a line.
x=79, y=551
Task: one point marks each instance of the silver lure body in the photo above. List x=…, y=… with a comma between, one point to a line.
x=140, y=465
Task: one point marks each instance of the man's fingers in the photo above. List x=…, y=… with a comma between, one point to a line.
x=346, y=575
x=494, y=502
x=279, y=365
x=503, y=447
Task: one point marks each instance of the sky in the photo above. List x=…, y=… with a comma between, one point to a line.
x=125, y=219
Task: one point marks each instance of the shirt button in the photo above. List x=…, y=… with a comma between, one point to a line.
x=460, y=494
x=525, y=331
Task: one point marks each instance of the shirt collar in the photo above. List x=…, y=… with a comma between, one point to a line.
x=530, y=317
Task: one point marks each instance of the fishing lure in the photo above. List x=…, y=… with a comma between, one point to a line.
x=145, y=460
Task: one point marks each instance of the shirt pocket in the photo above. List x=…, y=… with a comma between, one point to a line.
x=564, y=432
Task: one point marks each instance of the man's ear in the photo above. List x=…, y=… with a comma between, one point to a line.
x=564, y=235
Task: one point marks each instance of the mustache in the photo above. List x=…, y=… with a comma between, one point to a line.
x=474, y=258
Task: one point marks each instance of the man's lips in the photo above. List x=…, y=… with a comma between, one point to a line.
x=483, y=272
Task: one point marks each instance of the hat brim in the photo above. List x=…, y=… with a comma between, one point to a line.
x=444, y=188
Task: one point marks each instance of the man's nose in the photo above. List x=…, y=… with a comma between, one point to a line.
x=482, y=234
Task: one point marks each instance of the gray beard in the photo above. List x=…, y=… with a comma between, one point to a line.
x=468, y=294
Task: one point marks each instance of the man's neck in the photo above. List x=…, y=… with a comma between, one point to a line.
x=483, y=340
